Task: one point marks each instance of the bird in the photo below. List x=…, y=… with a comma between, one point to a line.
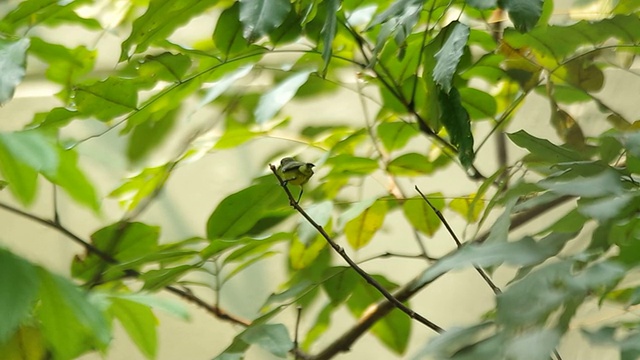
x=295, y=172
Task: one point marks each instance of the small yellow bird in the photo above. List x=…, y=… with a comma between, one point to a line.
x=295, y=172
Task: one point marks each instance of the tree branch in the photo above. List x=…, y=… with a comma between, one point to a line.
x=392, y=300
x=185, y=294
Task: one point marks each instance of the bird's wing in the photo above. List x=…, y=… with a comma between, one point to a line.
x=291, y=165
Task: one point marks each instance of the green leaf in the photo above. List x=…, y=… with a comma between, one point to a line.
x=272, y=101
x=605, y=208
x=459, y=341
x=259, y=17
x=500, y=228
x=456, y=120
x=340, y=282
x=125, y=242
x=165, y=67
x=106, y=99
x=170, y=306
x=239, y=212
x=420, y=214
x=139, y=322
x=522, y=252
x=321, y=213
x=66, y=65
x=271, y=337
x=21, y=178
x=345, y=165
x=18, y=290
x=224, y=83
x=360, y=230
x=157, y=279
x=448, y=57
x=140, y=186
x=227, y=36
x=320, y=326
x=160, y=20
x=13, y=60
x=329, y=32
x=523, y=13
x=71, y=324
x=26, y=344
x=50, y=12
x=482, y=4
x=470, y=207
x=535, y=344
x=394, y=330
x=543, y=149
x=150, y=134
x=605, y=183
x=479, y=104
x=561, y=42
x=411, y=164
x=395, y=135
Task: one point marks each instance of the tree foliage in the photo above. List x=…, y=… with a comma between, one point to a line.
x=436, y=79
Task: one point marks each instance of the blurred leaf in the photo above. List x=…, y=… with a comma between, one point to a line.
x=482, y=4
x=456, y=120
x=27, y=343
x=165, y=67
x=605, y=208
x=412, y=164
x=394, y=330
x=469, y=207
x=319, y=327
x=157, y=279
x=523, y=13
x=448, y=57
x=460, y=341
x=479, y=104
x=34, y=12
x=19, y=285
x=420, y=214
x=147, y=136
x=139, y=323
x=544, y=149
x=259, y=17
x=71, y=324
x=500, y=229
x=217, y=246
x=567, y=128
x=272, y=101
x=106, y=99
x=395, y=135
x=239, y=212
x=271, y=337
x=21, y=178
x=557, y=42
x=522, y=252
x=345, y=165
x=170, y=306
x=224, y=83
x=329, y=32
x=13, y=60
x=360, y=231
x=228, y=34
x=341, y=281
x=138, y=187
x=606, y=182
x=321, y=213
x=535, y=344
x=160, y=20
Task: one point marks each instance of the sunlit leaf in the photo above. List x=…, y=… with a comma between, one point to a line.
x=395, y=135
x=259, y=17
x=361, y=230
x=106, y=99
x=420, y=214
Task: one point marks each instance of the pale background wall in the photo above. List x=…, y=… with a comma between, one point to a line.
x=195, y=189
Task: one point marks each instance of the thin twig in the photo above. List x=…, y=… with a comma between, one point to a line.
x=397, y=303
x=483, y=274
x=295, y=334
